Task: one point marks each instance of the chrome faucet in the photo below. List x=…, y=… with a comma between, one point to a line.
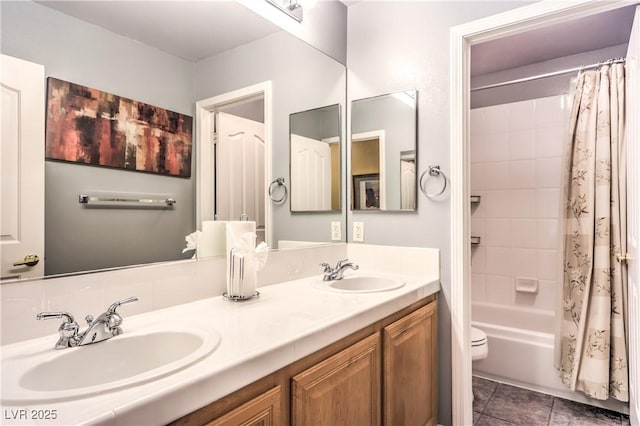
x=333, y=274
x=106, y=326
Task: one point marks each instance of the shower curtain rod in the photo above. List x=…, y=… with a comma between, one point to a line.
x=549, y=74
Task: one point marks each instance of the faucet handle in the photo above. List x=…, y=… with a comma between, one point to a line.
x=116, y=305
x=68, y=330
x=53, y=315
x=326, y=266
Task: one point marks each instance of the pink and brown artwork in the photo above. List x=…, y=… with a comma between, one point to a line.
x=89, y=126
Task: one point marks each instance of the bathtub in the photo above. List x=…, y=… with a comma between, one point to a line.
x=521, y=351
x=520, y=344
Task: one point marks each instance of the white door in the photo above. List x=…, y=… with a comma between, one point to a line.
x=310, y=174
x=407, y=185
x=633, y=214
x=22, y=168
x=240, y=181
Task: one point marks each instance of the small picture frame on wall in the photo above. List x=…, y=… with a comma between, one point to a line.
x=366, y=192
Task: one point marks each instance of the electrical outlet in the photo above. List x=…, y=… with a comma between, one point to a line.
x=358, y=231
x=336, y=231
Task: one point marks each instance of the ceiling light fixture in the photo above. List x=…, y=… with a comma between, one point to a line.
x=292, y=8
x=293, y=5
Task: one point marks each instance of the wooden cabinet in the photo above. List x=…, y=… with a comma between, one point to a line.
x=263, y=410
x=410, y=367
x=384, y=373
x=341, y=390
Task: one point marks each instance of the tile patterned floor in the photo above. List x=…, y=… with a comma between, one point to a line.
x=497, y=404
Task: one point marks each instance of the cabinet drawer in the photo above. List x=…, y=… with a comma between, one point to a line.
x=263, y=410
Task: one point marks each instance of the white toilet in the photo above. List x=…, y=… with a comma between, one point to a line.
x=479, y=344
x=479, y=347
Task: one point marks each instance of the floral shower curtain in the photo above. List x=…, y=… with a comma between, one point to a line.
x=593, y=337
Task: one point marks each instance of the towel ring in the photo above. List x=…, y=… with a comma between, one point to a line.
x=433, y=171
x=279, y=182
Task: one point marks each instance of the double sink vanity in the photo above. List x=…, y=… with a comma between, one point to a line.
x=358, y=348
x=361, y=349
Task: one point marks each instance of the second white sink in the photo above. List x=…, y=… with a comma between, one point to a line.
x=123, y=361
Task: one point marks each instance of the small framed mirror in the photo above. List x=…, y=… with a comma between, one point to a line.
x=314, y=138
x=383, y=152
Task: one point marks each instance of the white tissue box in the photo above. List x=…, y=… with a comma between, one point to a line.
x=213, y=241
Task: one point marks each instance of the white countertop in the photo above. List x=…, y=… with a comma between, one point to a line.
x=290, y=321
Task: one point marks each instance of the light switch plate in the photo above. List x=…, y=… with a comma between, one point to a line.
x=336, y=231
x=358, y=231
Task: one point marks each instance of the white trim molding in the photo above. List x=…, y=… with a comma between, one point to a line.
x=512, y=22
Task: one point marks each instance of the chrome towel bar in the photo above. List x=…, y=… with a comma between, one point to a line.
x=124, y=200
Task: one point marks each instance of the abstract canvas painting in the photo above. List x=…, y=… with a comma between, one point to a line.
x=89, y=126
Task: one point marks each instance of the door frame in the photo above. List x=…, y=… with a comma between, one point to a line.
x=462, y=37
x=632, y=84
x=380, y=135
x=205, y=173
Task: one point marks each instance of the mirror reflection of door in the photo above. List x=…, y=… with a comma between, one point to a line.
x=311, y=170
x=314, y=137
x=407, y=180
x=22, y=169
x=240, y=174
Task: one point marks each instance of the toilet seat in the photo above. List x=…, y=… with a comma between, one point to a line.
x=479, y=344
x=478, y=337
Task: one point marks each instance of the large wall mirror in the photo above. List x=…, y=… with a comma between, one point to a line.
x=75, y=44
x=314, y=138
x=383, y=152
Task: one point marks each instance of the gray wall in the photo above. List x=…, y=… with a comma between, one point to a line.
x=302, y=78
x=317, y=124
x=396, y=46
x=72, y=50
x=327, y=29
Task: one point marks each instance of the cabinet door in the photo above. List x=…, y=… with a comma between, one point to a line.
x=263, y=410
x=341, y=390
x=410, y=382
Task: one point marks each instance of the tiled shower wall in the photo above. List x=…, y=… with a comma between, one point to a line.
x=516, y=156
